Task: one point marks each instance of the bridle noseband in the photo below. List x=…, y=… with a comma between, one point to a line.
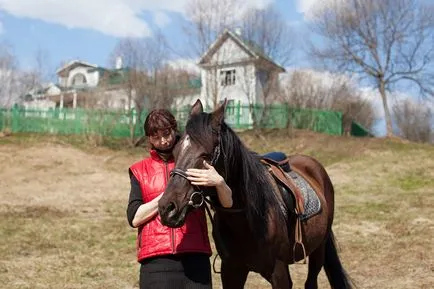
x=197, y=198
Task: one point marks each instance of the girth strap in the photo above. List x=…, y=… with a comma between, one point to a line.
x=277, y=172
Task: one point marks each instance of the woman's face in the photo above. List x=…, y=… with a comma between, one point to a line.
x=163, y=139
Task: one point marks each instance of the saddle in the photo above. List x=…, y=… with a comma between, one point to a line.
x=304, y=192
x=277, y=170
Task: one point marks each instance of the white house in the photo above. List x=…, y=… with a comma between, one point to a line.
x=235, y=69
x=78, y=74
x=81, y=84
x=231, y=68
x=39, y=97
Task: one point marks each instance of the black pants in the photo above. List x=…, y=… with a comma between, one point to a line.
x=183, y=271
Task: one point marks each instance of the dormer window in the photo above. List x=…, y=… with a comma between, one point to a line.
x=227, y=77
x=79, y=79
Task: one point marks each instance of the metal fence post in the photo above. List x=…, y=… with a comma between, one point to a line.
x=238, y=114
x=15, y=119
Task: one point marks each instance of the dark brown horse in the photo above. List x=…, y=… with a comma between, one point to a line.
x=258, y=233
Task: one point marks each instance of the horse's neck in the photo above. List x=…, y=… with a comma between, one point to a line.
x=238, y=188
x=235, y=173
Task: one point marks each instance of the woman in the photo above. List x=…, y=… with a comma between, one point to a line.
x=169, y=258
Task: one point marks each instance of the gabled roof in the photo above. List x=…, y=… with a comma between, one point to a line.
x=75, y=63
x=248, y=46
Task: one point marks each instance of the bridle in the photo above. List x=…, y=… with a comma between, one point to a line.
x=197, y=198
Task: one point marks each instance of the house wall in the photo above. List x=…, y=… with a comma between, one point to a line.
x=229, y=52
x=244, y=89
x=53, y=90
x=62, y=81
x=104, y=99
x=116, y=99
x=92, y=78
x=39, y=104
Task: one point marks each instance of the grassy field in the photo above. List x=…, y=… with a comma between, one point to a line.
x=63, y=224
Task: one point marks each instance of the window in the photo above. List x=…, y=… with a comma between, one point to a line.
x=79, y=79
x=227, y=77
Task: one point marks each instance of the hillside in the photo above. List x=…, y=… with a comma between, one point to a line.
x=63, y=201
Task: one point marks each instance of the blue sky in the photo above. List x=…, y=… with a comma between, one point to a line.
x=89, y=29
x=75, y=29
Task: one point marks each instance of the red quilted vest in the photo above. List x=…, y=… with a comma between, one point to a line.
x=155, y=239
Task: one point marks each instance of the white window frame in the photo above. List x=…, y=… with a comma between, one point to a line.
x=227, y=77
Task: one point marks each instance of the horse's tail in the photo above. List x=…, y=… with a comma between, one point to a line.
x=335, y=272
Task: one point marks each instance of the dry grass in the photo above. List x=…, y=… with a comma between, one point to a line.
x=63, y=224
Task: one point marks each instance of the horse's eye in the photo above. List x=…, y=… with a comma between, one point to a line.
x=206, y=157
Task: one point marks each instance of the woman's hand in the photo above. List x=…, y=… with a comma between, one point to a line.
x=205, y=177
x=210, y=177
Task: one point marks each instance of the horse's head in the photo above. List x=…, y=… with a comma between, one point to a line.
x=200, y=142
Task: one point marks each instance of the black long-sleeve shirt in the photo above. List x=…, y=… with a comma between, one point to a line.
x=135, y=199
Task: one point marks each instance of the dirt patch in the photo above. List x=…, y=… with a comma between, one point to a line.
x=59, y=176
x=8, y=211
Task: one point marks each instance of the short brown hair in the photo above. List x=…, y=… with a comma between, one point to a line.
x=159, y=119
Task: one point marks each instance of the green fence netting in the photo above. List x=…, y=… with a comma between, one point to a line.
x=126, y=123
x=359, y=130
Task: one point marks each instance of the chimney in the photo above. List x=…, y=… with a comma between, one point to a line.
x=119, y=62
x=238, y=31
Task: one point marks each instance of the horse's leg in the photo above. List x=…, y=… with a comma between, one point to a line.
x=316, y=261
x=233, y=274
x=280, y=277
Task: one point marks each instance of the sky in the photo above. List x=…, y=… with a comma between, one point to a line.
x=89, y=29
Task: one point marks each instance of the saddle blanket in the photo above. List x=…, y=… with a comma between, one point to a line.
x=312, y=204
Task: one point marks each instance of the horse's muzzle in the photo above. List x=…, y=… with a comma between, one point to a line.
x=173, y=217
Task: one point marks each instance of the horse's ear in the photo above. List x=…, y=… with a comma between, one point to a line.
x=196, y=108
x=218, y=115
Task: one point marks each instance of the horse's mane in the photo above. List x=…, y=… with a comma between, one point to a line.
x=244, y=173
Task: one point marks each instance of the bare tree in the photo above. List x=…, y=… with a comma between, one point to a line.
x=262, y=30
x=389, y=42
x=315, y=90
x=266, y=30
x=415, y=121
x=149, y=81
x=208, y=18
x=174, y=82
x=35, y=78
x=9, y=84
x=142, y=59
x=269, y=35
x=42, y=66
x=133, y=76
